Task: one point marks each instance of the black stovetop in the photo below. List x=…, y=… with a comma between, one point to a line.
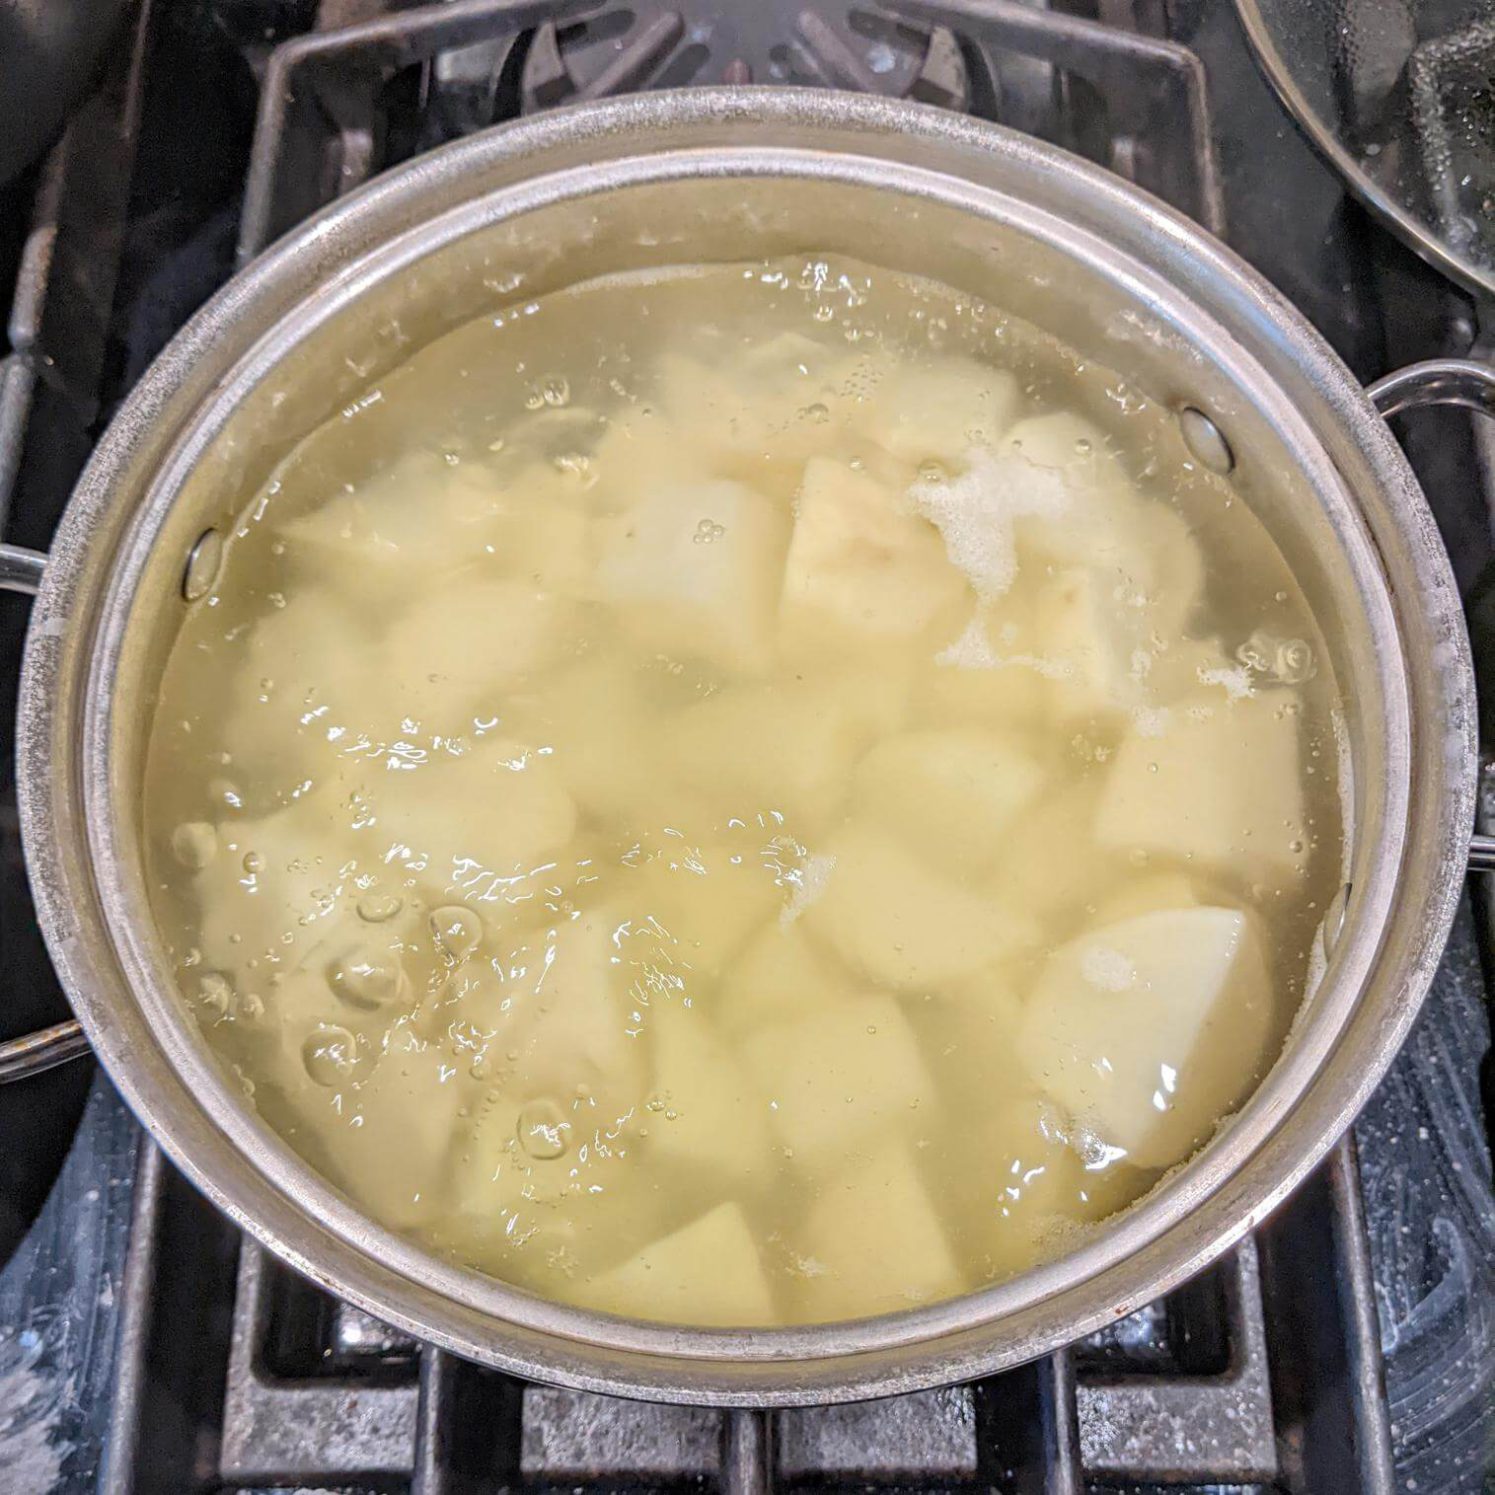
x=145, y=1346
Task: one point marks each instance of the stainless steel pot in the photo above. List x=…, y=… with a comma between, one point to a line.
x=723, y=175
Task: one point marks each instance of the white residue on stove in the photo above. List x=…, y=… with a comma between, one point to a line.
x=32, y=1405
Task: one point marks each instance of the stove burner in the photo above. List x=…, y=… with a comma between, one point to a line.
x=615, y=48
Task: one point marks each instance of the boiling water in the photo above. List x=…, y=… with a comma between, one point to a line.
x=765, y=794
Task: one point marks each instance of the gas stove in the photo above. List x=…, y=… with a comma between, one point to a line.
x=147, y=1346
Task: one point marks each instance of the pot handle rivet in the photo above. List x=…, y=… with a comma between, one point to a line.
x=1206, y=444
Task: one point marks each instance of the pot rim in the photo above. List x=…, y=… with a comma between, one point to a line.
x=1185, y=1224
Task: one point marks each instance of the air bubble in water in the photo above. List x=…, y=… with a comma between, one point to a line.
x=555, y=391
x=366, y=981
x=194, y=844
x=457, y=931
x=330, y=1055
x=377, y=908
x=542, y=1130
x=707, y=531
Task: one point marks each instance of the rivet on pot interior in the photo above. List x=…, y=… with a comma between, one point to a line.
x=203, y=563
x=1203, y=439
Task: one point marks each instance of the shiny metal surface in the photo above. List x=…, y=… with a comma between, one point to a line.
x=42, y=1050
x=741, y=171
x=1405, y=167
x=21, y=569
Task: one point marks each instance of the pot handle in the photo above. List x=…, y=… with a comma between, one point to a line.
x=1442, y=381
x=21, y=571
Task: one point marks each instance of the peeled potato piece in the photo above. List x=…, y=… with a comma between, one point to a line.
x=897, y=922
x=706, y=1113
x=407, y=1113
x=937, y=411
x=419, y=515
x=779, y=975
x=1220, y=786
x=1146, y=1031
x=694, y=570
x=873, y=1210
x=788, y=748
x=948, y=794
x=497, y=805
x=452, y=656
x=707, y=1273
x=860, y=564
x=838, y=1077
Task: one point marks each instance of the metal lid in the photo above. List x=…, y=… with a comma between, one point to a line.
x=1397, y=98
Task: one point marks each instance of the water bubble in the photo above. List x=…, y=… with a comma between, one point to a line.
x=216, y=992
x=932, y=472
x=555, y=391
x=330, y=1055
x=378, y=908
x=542, y=1129
x=194, y=843
x=707, y=531
x=457, y=931
x=534, y=398
x=253, y=862
x=366, y=981
x=816, y=413
x=1294, y=663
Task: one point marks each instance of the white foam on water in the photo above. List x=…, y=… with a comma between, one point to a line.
x=974, y=513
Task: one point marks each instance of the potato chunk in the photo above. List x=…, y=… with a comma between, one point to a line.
x=711, y=1116
x=1220, y=787
x=948, y=794
x=418, y=516
x=1148, y=1030
x=779, y=975
x=708, y=1273
x=872, y=1242
x=838, y=1077
x=789, y=747
x=861, y=564
x=407, y=1112
x=939, y=410
x=694, y=571
x=890, y=917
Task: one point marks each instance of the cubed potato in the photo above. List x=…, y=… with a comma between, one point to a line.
x=987, y=675
x=1029, y=1196
x=1221, y=789
x=1096, y=642
x=1148, y=893
x=789, y=747
x=1146, y=1031
x=939, y=410
x=566, y=1019
x=1051, y=868
x=839, y=1077
x=278, y=887
x=694, y=571
x=307, y=689
x=498, y=805
x=714, y=1119
x=454, y=655
x=861, y=564
x=899, y=923
x=777, y=976
x=393, y=1150
x=872, y=1242
x=419, y=516
x=948, y=794
x=707, y=1274
x=1141, y=547
x=544, y=536
x=706, y=896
